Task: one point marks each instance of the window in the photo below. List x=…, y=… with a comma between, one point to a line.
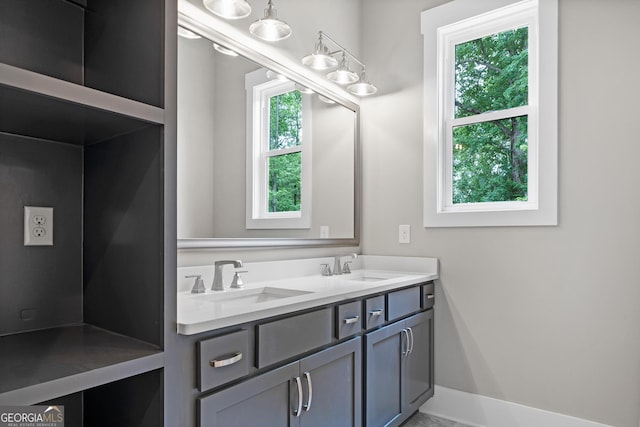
x=490, y=133
x=278, y=154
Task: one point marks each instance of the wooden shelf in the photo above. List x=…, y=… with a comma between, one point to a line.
x=42, y=365
x=40, y=106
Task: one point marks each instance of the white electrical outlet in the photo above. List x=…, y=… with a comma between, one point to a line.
x=404, y=233
x=324, y=231
x=38, y=226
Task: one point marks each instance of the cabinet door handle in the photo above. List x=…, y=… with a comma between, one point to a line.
x=307, y=406
x=350, y=320
x=376, y=312
x=410, y=344
x=229, y=359
x=298, y=411
x=404, y=343
x=430, y=296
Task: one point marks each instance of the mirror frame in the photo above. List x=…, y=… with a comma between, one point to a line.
x=192, y=19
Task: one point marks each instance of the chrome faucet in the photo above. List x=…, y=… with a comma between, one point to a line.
x=337, y=264
x=217, y=276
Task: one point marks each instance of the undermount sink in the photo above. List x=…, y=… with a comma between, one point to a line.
x=363, y=277
x=250, y=296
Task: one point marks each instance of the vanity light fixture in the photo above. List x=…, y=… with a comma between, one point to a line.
x=270, y=28
x=229, y=9
x=323, y=59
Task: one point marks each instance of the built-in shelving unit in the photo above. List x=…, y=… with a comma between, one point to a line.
x=82, y=130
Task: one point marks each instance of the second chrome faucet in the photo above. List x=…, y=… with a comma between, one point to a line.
x=338, y=267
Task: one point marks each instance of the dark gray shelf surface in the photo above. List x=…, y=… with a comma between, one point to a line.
x=37, y=365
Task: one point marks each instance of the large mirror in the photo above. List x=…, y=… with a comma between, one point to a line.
x=265, y=156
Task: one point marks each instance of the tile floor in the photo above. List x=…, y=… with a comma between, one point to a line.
x=424, y=420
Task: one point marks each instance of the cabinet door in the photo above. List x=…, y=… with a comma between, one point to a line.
x=264, y=401
x=418, y=372
x=383, y=374
x=332, y=383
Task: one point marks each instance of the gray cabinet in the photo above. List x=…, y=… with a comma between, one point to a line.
x=323, y=389
x=398, y=370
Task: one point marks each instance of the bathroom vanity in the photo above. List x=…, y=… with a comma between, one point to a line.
x=352, y=350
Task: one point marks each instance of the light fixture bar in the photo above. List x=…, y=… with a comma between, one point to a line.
x=342, y=48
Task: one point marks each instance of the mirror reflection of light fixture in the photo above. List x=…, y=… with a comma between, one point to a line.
x=187, y=34
x=224, y=50
x=323, y=59
x=303, y=89
x=326, y=100
x=270, y=28
x=229, y=9
x=272, y=75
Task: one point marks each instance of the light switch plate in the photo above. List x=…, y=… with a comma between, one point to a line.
x=38, y=226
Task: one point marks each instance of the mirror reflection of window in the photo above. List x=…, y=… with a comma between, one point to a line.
x=279, y=150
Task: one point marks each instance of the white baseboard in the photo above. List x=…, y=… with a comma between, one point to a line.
x=482, y=411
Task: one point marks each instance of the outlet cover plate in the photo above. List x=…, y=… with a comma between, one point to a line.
x=38, y=226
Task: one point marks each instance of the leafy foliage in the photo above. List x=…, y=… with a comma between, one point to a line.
x=490, y=157
x=285, y=170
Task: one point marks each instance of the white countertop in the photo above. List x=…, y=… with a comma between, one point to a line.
x=197, y=313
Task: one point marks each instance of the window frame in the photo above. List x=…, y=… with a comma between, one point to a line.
x=260, y=89
x=463, y=20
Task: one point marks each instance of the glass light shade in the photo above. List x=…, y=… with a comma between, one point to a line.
x=187, y=34
x=229, y=9
x=363, y=87
x=343, y=75
x=270, y=28
x=320, y=59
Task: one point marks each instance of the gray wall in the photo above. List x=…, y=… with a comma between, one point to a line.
x=543, y=316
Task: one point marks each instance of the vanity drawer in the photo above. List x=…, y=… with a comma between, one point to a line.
x=428, y=295
x=282, y=339
x=348, y=319
x=374, y=311
x=401, y=303
x=222, y=359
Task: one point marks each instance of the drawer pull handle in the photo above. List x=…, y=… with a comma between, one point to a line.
x=350, y=320
x=431, y=296
x=233, y=358
x=376, y=312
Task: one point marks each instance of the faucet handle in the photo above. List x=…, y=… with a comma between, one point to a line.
x=198, y=285
x=345, y=268
x=325, y=269
x=237, y=282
